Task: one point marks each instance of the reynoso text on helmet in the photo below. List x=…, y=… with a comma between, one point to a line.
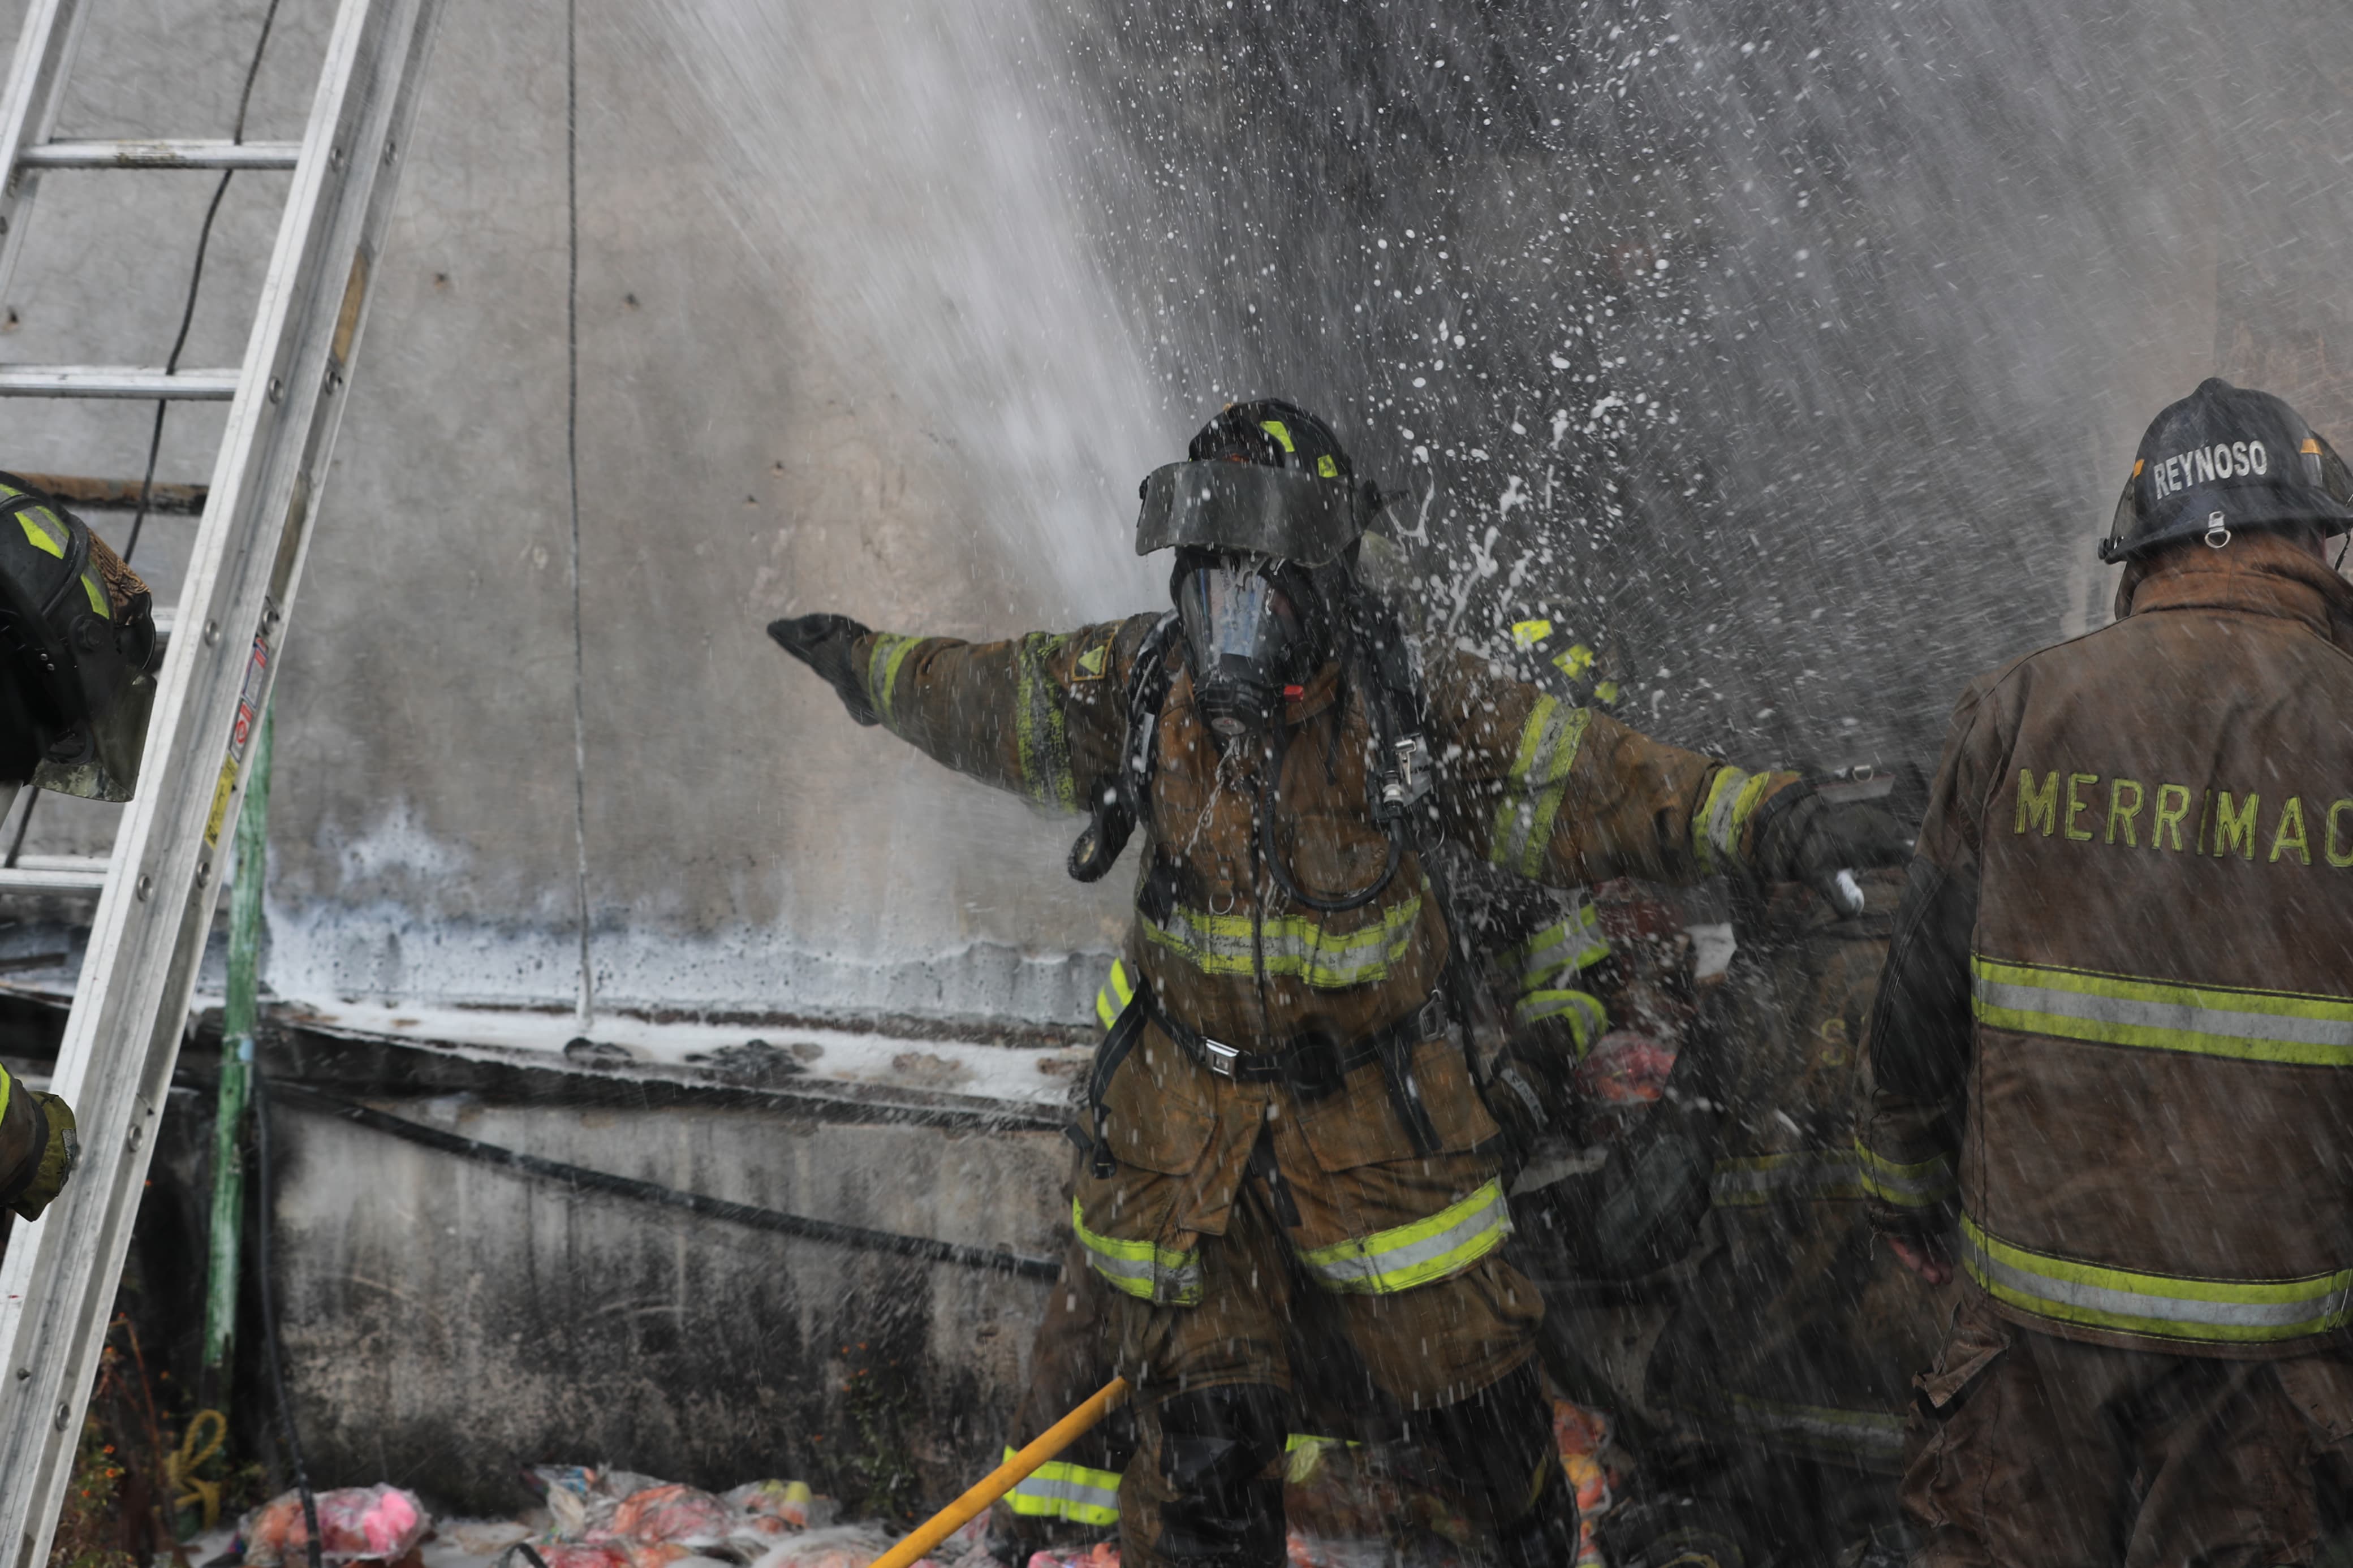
x=2204, y=464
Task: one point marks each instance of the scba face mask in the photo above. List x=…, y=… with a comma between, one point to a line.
x=1252, y=626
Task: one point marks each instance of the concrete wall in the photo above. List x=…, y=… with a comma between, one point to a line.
x=773, y=418
x=445, y=1321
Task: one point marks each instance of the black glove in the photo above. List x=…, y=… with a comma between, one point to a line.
x=1812, y=839
x=823, y=644
x=60, y=1152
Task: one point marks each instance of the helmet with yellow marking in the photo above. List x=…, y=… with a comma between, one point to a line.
x=2223, y=460
x=77, y=636
x=1264, y=477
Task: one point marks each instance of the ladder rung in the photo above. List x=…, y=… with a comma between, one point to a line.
x=110, y=381
x=161, y=154
x=70, y=874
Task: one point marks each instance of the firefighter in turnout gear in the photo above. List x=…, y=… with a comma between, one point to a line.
x=2112, y=1048
x=1284, y=1135
x=1552, y=986
x=1790, y=1352
x=77, y=636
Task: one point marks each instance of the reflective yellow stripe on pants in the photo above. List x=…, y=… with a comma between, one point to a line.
x=2159, y=1306
x=1399, y=1259
x=1073, y=1493
x=1804, y=1175
x=1915, y=1186
x=1144, y=1269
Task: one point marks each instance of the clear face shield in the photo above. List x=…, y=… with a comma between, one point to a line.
x=1250, y=630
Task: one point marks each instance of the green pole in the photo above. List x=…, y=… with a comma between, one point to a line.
x=239, y=1014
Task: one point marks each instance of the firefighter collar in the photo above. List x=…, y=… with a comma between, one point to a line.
x=2273, y=578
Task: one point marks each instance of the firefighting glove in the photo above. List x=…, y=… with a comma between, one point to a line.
x=826, y=644
x=59, y=1154
x=1810, y=839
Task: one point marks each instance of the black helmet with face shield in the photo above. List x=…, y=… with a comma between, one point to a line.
x=1264, y=516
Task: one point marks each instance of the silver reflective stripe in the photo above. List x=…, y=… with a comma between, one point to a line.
x=1538, y=777
x=1870, y=1435
x=1067, y=1498
x=1575, y=944
x=1383, y=1264
x=1294, y=944
x=2092, y=1302
x=1588, y=1019
x=2162, y=1016
x=1143, y=1278
x=1810, y=1175
x=1724, y=798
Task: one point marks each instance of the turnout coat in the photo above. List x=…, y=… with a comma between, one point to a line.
x=1562, y=794
x=2114, y=1044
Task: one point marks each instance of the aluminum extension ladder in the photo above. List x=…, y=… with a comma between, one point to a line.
x=130, y=1009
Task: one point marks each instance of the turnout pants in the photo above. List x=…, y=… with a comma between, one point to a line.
x=2028, y=1449
x=1446, y=1364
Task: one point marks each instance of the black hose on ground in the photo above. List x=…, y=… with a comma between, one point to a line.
x=580, y=1176
x=270, y=1322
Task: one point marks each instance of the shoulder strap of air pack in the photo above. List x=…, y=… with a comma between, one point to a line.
x=1115, y=801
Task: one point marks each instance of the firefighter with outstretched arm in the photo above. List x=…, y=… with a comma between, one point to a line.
x=1282, y=1133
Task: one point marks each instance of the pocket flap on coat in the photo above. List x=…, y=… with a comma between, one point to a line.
x=1157, y=1113
x=1358, y=1123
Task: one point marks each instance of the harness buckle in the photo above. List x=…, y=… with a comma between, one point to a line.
x=1431, y=1019
x=1221, y=1057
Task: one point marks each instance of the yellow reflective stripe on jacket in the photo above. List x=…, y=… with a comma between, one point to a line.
x=882, y=662
x=1803, y=1175
x=1144, y=1269
x=1919, y=1186
x=7, y=1090
x=1389, y=1261
x=1117, y=991
x=1059, y=1490
x=1588, y=1020
x=1538, y=778
x=1296, y=945
x=2161, y=1015
x=1574, y=943
x=1723, y=817
x=1873, y=1439
x=2161, y=1306
x=1039, y=728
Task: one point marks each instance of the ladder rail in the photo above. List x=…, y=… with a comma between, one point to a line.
x=45, y=47
x=123, y=1038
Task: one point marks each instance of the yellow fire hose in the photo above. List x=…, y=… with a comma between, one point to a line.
x=1006, y=1475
